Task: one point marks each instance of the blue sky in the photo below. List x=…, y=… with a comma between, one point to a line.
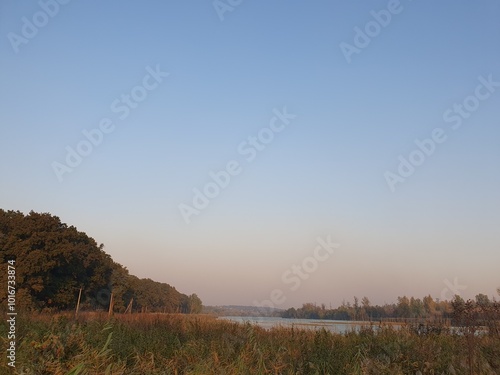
x=324, y=174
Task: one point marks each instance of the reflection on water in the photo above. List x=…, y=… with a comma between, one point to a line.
x=336, y=326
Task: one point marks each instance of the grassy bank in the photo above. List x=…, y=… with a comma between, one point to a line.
x=181, y=344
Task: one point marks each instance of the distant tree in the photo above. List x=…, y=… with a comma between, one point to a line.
x=429, y=306
x=195, y=305
x=403, y=307
x=482, y=300
x=417, y=309
x=121, y=287
x=322, y=311
x=365, y=302
x=290, y=313
x=356, y=308
x=365, y=308
x=311, y=311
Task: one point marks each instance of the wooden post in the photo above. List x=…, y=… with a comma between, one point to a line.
x=78, y=303
x=129, y=307
x=111, y=303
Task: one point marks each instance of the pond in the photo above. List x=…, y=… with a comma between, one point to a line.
x=336, y=326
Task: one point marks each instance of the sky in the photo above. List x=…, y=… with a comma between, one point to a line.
x=216, y=145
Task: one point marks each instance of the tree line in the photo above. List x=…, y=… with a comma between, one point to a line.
x=55, y=261
x=406, y=308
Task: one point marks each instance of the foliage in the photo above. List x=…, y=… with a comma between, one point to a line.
x=405, y=308
x=55, y=260
x=476, y=318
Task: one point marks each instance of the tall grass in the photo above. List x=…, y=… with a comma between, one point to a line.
x=150, y=344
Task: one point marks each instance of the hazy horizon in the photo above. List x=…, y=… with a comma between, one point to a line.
x=162, y=97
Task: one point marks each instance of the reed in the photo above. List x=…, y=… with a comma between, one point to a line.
x=198, y=344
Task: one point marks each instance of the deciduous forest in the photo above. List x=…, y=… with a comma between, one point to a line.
x=54, y=261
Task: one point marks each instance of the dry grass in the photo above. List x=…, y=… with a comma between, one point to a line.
x=196, y=344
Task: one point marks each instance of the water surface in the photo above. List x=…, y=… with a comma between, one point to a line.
x=336, y=326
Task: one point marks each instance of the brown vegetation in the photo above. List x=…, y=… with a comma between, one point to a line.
x=193, y=344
